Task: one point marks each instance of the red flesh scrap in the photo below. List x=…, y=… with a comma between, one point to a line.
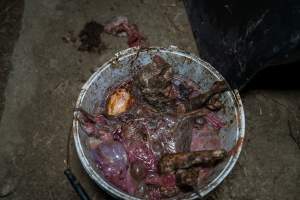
x=120, y=25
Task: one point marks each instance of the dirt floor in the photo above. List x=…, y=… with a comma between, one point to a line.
x=45, y=76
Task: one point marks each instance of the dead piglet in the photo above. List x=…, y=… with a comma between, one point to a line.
x=156, y=75
x=154, y=80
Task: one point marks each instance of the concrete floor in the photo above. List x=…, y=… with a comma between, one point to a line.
x=46, y=76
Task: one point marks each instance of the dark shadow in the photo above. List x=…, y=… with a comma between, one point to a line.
x=240, y=38
x=11, y=12
x=282, y=77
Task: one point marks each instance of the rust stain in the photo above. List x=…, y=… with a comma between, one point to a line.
x=234, y=150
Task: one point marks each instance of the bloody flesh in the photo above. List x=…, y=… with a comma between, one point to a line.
x=156, y=133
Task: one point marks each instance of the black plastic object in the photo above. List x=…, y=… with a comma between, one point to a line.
x=240, y=38
x=76, y=185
